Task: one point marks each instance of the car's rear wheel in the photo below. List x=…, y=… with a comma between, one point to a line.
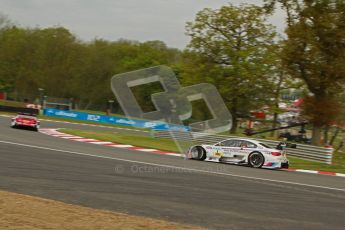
x=198, y=153
x=256, y=159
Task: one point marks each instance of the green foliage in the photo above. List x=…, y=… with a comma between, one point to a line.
x=55, y=60
x=4, y=21
x=315, y=53
x=232, y=48
x=123, y=138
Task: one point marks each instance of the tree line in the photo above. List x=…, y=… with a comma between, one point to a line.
x=65, y=67
x=234, y=48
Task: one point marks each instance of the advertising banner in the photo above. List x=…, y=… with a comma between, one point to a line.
x=81, y=116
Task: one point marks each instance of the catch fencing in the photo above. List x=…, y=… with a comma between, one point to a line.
x=306, y=152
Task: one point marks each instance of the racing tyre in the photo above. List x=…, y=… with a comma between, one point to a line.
x=198, y=153
x=256, y=160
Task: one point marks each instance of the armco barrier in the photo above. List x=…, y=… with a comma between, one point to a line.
x=18, y=110
x=80, y=116
x=306, y=152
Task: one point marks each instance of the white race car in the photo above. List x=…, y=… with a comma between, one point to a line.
x=243, y=152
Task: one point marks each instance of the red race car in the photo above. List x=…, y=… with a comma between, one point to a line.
x=23, y=120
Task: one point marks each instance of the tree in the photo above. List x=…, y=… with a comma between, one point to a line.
x=103, y=59
x=12, y=41
x=55, y=60
x=36, y=58
x=4, y=21
x=315, y=52
x=282, y=82
x=232, y=48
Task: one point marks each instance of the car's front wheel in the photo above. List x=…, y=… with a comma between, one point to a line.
x=198, y=153
x=256, y=159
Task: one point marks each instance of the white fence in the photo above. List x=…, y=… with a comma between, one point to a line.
x=306, y=152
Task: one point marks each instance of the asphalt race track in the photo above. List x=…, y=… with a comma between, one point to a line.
x=215, y=196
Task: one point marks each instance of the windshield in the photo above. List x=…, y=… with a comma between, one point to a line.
x=264, y=145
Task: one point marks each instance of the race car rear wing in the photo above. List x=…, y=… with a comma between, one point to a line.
x=28, y=114
x=283, y=145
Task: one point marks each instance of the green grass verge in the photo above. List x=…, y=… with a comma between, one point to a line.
x=7, y=113
x=168, y=145
x=122, y=138
x=338, y=164
x=90, y=122
x=12, y=103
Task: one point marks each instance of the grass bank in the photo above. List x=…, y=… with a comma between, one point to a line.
x=12, y=103
x=123, y=138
